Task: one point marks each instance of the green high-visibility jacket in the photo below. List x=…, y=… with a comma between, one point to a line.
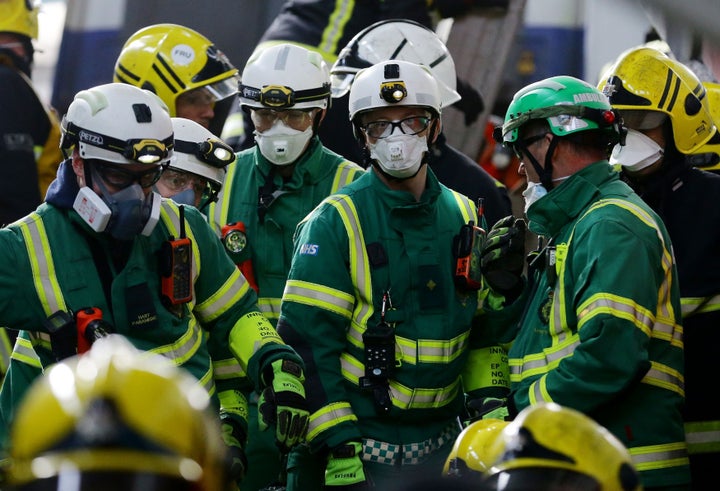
x=602, y=329
x=359, y=245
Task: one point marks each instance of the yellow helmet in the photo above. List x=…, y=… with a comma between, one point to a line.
x=170, y=59
x=550, y=444
x=647, y=86
x=116, y=418
x=468, y=457
x=708, y=155
x=20, y=17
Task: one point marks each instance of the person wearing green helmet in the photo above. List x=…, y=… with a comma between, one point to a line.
x=590, y=338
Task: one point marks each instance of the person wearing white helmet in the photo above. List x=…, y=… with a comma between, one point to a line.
x=404, y=39
x=285, y=90
x=105, y=243
x=372, y=304
x=197, y=170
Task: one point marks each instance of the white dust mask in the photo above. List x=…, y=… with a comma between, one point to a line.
x=399, y=155
x=281, y=144
x=533, y=192
x=639, y=151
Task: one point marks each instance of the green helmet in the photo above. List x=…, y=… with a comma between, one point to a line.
x=568, y=104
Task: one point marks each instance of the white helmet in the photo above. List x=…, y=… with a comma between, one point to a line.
x=285, y=76
x=396, y=39
x=200, y=152
x=119, y=123
x=394, y=83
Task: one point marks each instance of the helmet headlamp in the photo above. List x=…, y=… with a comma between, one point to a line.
x=393, y=92
x=212, y=151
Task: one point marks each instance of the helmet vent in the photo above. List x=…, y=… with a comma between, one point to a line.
x=142, y=113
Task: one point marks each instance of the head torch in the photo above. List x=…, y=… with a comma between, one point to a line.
x=212, y=152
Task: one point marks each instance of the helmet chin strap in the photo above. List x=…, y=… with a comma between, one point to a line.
x=544, y=173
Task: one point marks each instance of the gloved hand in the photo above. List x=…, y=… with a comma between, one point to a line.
x=471, y=104
x=344, y=470
x=283, y=403
x=503, y=257
x=235, y=437
x=488, y=408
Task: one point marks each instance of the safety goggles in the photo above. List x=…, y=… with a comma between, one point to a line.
x=177, y=181
x=409, y=126
x=642, y=119
x=294, y=118
x=120, y=178
x=213, y=152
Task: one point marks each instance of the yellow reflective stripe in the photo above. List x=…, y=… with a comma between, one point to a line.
x=665, y=377
x=402, y=396
x=540, y=363
x=5, y=350
x=232, y=291
x=702, y=436
x=359, y=260
x=185, y=347
x=431, y=350
x=654, y=457
x=226, y=369
x=207, y=381
x=41, y=263
x=218, y=211
x=538, y=391
x=270, y=307
x=25, y=353
x=616, y=306
x=320, y=296
x=700, y=305
x=329, y=416
x=336, y=25
x=344, y=175
x=467, y=207
x=249, y=334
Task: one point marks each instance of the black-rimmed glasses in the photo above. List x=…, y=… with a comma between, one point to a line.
x=409, y=126
x=121, y=178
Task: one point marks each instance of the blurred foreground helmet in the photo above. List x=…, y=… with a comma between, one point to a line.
x=549, y=447
x=568, y=104
x=19, y=17
x=394, y=83
x=646, y=87
x=171, y=60
x=199, y=152
x=396, y=39
x=118, y=123
x=113, y=419
x=468, y=458
x=285, y=76
x=707, y=156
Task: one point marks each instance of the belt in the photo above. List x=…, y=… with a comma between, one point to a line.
x=407, y=453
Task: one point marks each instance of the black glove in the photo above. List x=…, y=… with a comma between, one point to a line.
x=503, y=257
x=471, y=104
x=235, y=437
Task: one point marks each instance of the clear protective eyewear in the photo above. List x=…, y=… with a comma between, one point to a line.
x=178, y=180
x=642, y=119
x=409, y=126
x=294, y=118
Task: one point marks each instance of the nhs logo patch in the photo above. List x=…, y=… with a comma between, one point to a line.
x=309, y=249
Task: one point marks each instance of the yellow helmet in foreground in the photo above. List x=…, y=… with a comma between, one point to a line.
x=20, y=17
x=116, y=418
x=550, y=447
x=468, y=459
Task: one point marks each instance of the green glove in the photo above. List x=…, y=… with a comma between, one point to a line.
x=488, y=408
x=503, y=257
x=344, y=468
x=235, y=437
x=283, y=403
